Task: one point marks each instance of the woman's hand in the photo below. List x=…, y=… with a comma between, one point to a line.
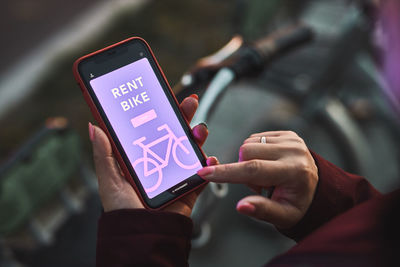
x=283, y=163
x=115, y=191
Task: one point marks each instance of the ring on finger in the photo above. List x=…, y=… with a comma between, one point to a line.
x=263, y=140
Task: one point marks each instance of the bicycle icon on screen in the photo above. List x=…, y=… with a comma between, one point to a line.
x=175, y=147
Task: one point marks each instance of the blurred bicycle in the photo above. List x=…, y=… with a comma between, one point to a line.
x=320, y=82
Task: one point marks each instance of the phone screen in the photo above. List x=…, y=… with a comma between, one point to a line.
x=146, y=126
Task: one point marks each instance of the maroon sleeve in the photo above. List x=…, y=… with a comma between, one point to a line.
x=337, y=191
x=140, y=237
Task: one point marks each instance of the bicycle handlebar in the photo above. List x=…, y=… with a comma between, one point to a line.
x=250, y=59
x=253, y=58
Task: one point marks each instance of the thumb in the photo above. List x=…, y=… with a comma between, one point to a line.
x=115, y=191
x=281, y=215
x=104, y=161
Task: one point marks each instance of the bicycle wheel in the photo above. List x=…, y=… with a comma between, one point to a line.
x=150, y=182
x=183, y=151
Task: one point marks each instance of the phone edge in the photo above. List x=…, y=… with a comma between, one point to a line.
x=102, y=125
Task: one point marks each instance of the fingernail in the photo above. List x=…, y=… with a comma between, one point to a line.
x=206, y=171
x=212, y=161
x=204, y=124
x=245, y=207
x=91, y=132
x=195, y=96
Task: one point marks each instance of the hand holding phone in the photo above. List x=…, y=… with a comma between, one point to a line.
x=115, y=192
x=132, y=101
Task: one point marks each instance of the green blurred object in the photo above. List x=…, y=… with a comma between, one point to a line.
x=37, y=175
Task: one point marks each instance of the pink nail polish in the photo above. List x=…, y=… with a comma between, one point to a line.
x=91, y=132
x=206, y=171
x=245, y=207
x=195, y=96
x=212, y=161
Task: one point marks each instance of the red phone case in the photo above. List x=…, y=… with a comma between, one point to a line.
x=101, y=123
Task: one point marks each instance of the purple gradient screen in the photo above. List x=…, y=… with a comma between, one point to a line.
x=146, y=126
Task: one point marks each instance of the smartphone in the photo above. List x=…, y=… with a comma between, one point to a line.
x=133, y=103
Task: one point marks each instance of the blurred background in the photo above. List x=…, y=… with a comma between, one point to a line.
x=326, y=87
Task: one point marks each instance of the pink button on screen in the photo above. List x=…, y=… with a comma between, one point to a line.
x=143, y=118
